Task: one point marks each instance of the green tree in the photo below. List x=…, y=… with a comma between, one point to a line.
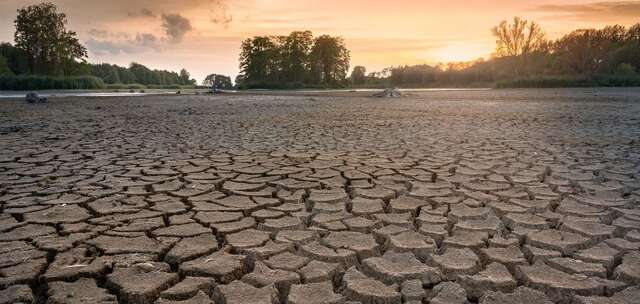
x=583, y=51
x=185, y=78
x=358, y=75
x=295, y=56
x=17, y=59
x=259, y=59
x=217, y=80
x=41, y=33
x=329, y=60
x=4, y=67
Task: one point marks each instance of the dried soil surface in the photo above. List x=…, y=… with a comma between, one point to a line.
x=509, y=196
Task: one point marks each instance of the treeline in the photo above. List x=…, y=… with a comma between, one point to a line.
x=137, y=73
x=609, y=56
x=48, y=56
x=15, y=61
x=294, y=61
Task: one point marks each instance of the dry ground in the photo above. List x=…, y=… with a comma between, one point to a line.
x=506, y=196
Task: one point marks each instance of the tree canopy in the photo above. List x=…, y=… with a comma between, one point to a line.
x=295, y=60
x=41, y=32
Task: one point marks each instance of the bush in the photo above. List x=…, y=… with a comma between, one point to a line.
x=128, y=86
x=32, y=82
x=546, y=82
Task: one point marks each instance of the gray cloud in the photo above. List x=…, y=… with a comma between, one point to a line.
x=144, y=12
x=594, y=11
x=143, y=42
x=175, y=26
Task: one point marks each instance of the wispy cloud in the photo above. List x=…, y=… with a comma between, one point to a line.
x=141, y=43
x=597, y=11
x=144, y=12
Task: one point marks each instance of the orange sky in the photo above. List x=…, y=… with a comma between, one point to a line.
x=204, y=35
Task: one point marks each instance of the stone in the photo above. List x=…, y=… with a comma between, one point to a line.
x=565, y=242
x=222, y=266
x=199, y=298
x=456, y=262
x=521, y=295
x=317, y=271
x=238, y=292
x=314, y=293
x=17, y=294
x=190, y=248
x=247, y=238
x=395, y=268
x=189, y=287
x=629, y=270
x=448, y=293
x=358, y=287
x=495, y=277
x=81, y=291
x=558, y=285
x=264, y=276
x=571, y=266
x=120, y=245
x=140, y=284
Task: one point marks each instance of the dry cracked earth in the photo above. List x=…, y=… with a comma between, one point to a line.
x=485, y=197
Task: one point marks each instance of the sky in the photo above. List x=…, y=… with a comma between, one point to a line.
x=204, y=36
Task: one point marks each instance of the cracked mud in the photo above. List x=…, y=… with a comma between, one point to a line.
x=486, y=197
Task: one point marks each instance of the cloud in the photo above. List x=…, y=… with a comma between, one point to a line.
x=144, y=12
x=597, y=11
x=175, y=26
x=143, y=42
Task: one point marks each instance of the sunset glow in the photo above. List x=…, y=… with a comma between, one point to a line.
x=378, y=33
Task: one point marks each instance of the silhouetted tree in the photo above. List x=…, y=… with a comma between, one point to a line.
x=4, y=67
x=329, y=60
x=521, y=37
x=358, y=75
x=295, y=50
x=258, y=59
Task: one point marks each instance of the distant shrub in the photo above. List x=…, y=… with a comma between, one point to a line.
x=33, y=82
x=137, y=86
x=601, y=80
x=128, y=86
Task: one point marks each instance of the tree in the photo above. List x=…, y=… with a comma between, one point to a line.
x=17, y=59
x=295, y=55
x=358, y=75
x=329, y=60
x=217, y=80
x=41, y=33
x=4, y=67
x=522, y=37
x=258, y=59
x=185, y=78
x=583, y=51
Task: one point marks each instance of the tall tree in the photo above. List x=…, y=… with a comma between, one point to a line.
x=185, y=78
x=329, y=60
x=295, y=55
x=521, y=37
x=358, y=75
x=583, y=51
x=4, y=67
x=41, y=33
x=259, y=58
